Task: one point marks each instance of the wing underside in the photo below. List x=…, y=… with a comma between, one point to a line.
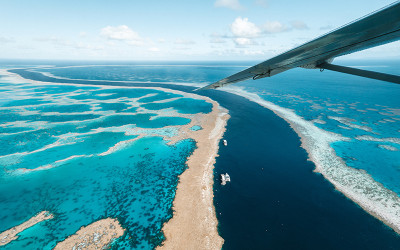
x=378, y=28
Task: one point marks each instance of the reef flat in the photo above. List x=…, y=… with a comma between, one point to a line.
x=265, y=153
x=97, y=235
x=12, y=234
x=54, y=130
x=357, y=185
x=194, y=224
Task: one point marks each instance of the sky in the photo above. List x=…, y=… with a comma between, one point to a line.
x=175, y=29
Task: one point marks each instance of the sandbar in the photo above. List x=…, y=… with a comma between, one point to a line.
x=97, y=235
x=194, y=223
x=11, y=234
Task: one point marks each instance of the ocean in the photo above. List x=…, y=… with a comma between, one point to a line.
x=348, y=126
x=87, y=153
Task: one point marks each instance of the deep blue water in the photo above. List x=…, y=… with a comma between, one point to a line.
x=275, y=200
x=348, y=105
x=280, y=203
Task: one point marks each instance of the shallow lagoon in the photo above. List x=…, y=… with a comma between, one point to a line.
x=65, y=149
x=326, y=215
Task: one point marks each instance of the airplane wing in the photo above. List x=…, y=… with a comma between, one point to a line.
x=377, y=28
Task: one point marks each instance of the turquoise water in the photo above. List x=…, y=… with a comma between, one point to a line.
x=196, y=128
x=351, y=106
x=183, y=105
x=296, y=204
x=76, y=152
x=366, y=112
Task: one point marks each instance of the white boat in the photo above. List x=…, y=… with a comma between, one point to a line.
x=225, y=142
x=225, y=178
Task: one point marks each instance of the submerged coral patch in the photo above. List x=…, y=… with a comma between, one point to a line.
x=196, y=128
x=182, y=105
x=89, y=153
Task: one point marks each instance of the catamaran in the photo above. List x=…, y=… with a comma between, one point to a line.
x=225, y=178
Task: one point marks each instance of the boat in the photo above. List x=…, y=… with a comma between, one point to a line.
x=225, y=178
x=225, y=142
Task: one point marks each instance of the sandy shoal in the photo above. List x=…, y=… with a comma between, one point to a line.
x=97, y=235
x=194, y=222
x=11, y=234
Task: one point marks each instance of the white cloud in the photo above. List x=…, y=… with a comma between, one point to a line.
x=299, y=25
x=242, y=27
x=253, y=52
x=215, y=34
x=180, y=48
x=242, y=41
x=121, y=33
x=82, y=34
x=47, y=39
x=184, y=41
x=135, y=42
x=274, y=27
x=85, y=46
x=217, y=40
x=6, y=39
x=154, y=49
x=244, y=31
x=231, y=4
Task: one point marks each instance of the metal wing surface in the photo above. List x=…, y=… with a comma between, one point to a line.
x=377, y=28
